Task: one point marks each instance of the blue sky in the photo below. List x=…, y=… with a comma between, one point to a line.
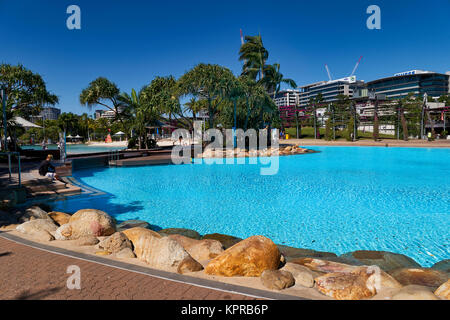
x=130, y=42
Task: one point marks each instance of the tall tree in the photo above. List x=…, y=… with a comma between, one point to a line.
x=208, y=82
x=254, y=55
x=274, y=78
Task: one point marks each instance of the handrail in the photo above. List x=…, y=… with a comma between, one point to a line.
x=9, y=154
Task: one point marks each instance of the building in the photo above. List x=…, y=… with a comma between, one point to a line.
x=418, y=82
x=107, y=114
x=47, y=113
x=287, y=101
x=329, y=90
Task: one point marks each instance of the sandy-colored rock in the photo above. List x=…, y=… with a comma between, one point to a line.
x=86, y=222
x=345, y=285
x=115, y=242
x=59, y=218
x=360, y=283
x=322, y=265
x=291, y=253
x=125, y=253
x=302, y=275
x=32, y=213
x=385, y=260
x=189, y=264
x=443, y=291
x=163, y=253
x=248, y=258
x=277, y=279
x=102, y=253
x=420, y=276
x=414, y=292
x=128, y=224
x=83, y=241
x=40, y=229
x=226, y=240
x=184, y=232
x=443, y=265
x=200, y=250
x=133, y=234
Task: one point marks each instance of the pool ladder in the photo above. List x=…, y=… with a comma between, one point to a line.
x=113, y=156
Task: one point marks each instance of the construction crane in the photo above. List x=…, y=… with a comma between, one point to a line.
x=242, y=37
x=328, y=71
x=356, y=66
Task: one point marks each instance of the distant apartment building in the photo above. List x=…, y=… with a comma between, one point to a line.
x=418, y=82
x=47, y=113
x=107, y=114
x=287, y=101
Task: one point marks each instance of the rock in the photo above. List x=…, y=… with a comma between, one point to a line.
x=302, y=275
x=277, y=279
x=444, y=290
x=128, y=224
x=59, y=218
x=84, y=241
x=189, y=264
x=443, y=265
x=41, y=229
x=133, y=234
x=7, y=218
x=125, y=253
x=385, y=260
x=184, y=232
x=322, y=265
x=248, y=258
x=32, y=213
x=163, y=253
x=226, y=240
x=420, y=276
x=115, y=242
x=414, y=292
x=86, y=222
x=200, y=250
x=293, y=253
x=359, y=283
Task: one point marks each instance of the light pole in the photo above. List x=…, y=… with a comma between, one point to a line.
x=422, y=115
x=3, y=95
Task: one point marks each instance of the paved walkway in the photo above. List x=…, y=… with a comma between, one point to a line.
x=29, y=273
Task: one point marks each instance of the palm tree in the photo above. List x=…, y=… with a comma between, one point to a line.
x=254, y=55
x=273, y=79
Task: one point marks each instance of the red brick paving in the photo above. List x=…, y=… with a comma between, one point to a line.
x=29, y=273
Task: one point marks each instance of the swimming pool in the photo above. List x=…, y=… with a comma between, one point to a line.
x=341, y=199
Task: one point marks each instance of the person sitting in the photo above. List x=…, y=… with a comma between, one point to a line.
x=47, y=169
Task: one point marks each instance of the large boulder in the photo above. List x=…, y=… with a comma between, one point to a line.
x=291, y=253
x=359, y=283
x=200, y=250
x=115, y=243
x=59, y=218
x=86, y=222
x=128, y=224
x=302, y=275
x=385, y=260
x=40, y=229
x=443, y=265
x=443, y=291
x=133, y=234
x=322, y=265
x=277, y=279
x=226, y=240
x=83, y=241
x=163, y=253
x=189, y=264
x=34, y=212
x=420, y=276
x=414, y=292
x=184, y=232
x=248, y=258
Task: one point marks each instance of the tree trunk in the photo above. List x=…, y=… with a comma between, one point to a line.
x=375, y=122
x=404, y=124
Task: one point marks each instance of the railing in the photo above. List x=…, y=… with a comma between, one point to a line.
x=17, y=154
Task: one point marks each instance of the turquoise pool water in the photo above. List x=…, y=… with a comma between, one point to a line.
x=78, y=148
x=339, y=200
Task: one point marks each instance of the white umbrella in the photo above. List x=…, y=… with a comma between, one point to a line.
x=25, y=123
x=78, y=136
x=69, y=136
x=120, y=133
